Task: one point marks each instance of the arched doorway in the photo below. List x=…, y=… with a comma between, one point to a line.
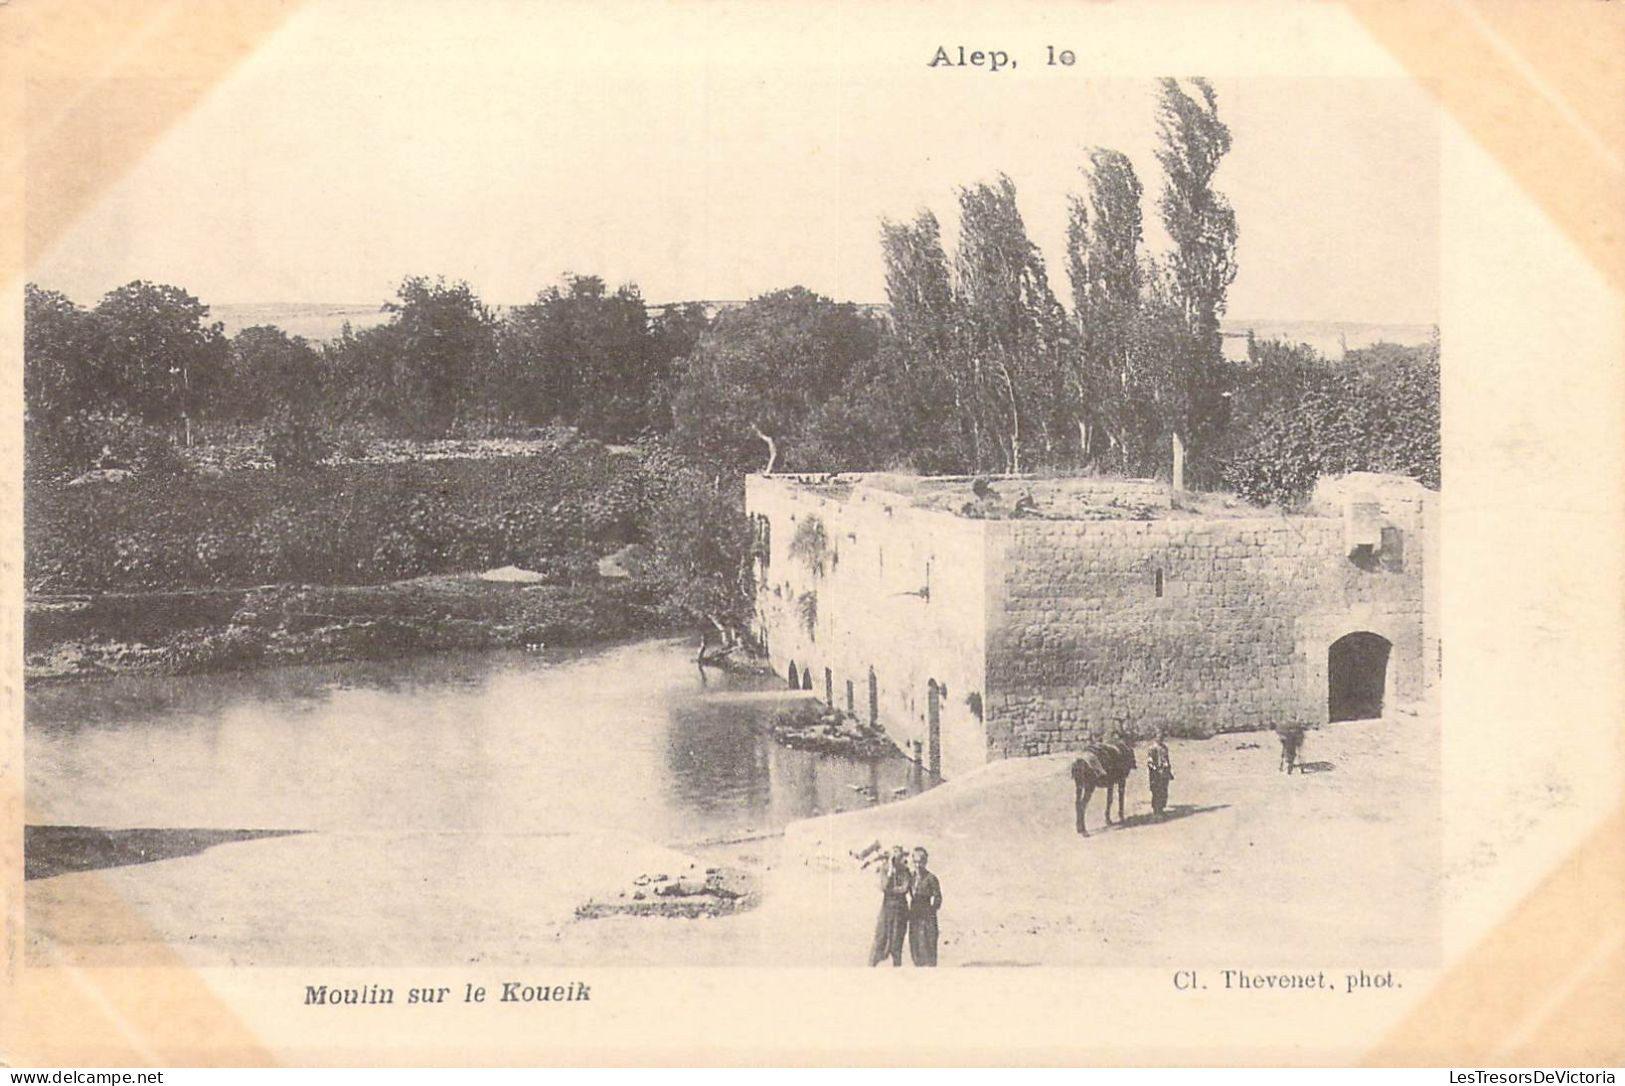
x=795, y=677
x=806, y=677
x=1356, y=676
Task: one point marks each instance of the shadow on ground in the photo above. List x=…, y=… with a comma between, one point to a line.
x=1316, y=767
x=1175, y=811
x=63, y=850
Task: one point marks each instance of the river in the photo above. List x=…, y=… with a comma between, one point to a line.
x=623, y=738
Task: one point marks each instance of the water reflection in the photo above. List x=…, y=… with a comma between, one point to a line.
x=624, y=738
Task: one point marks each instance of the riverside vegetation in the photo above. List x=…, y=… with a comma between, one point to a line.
x=185, y=570
x=194, y=500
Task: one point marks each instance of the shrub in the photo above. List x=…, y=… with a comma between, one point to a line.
x=350, y=523
x=1376, y=411
x=295, y=442
x=700, y=543
x=87, y=440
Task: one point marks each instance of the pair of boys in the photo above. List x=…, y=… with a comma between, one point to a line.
x=910, y=898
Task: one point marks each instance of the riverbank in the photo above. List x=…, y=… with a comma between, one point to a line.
x=194, y=632
x=1338, y=866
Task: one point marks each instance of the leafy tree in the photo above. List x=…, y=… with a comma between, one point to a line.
x=1010, y=332
x=1203, y=262
x=700, y=542
x=1153, y=403
x=919, y=289
x=1299, y=418
x=444, y=336
x=159, y=358
x=745, y=396
x=295, y=440
x=271, y=372
x=893, y=414
x=584, y=355
x=674, y=334
x=76, y=415
x=902, y=407
x=913, y=406
x=420, y=373
x=1103, y=256
x=360, y=369
x=59, y=357
x=1199, y=219
x=1382, y=361
x=1407, y=410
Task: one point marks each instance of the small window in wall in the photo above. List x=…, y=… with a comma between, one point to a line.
x=1156, y=580
x=1392, y=549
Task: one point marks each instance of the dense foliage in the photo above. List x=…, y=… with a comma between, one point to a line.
x=443, y=363
x=976, y=366
x=747, y=396
x=1303, y=418
x=338, y=524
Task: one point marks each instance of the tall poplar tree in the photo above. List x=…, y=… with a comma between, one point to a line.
x=1010, y=330
x=1203, y=263
x=930, y=402
x=1103, y=258
x=1199, y=219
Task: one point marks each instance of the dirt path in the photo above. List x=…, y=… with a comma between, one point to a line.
x=1251, y=869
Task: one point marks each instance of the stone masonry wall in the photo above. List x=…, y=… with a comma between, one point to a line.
x=899, y=594
x=1043, y=634
x=1080, y=639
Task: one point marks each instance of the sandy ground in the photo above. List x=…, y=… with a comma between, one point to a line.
x=1250, y=868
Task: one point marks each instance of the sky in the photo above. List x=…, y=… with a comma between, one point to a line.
x=720, y=151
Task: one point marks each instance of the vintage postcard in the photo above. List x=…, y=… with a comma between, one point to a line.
x=813, y=533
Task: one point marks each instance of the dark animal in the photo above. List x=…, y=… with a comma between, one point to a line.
x=1291, y=736
x=1107, y=764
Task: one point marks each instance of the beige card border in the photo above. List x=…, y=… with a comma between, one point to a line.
x=1540, y=86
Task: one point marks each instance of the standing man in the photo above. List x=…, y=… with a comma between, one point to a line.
x=1161, y=771
x=893, y=923
x=924, y=899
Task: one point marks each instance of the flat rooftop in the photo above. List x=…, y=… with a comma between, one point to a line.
x=1007, y=497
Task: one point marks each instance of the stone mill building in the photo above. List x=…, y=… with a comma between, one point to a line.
x=1018, y=616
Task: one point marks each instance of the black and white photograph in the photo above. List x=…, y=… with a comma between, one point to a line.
x=522, y=489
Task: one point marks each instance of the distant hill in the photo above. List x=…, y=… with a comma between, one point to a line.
x=318, y=321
